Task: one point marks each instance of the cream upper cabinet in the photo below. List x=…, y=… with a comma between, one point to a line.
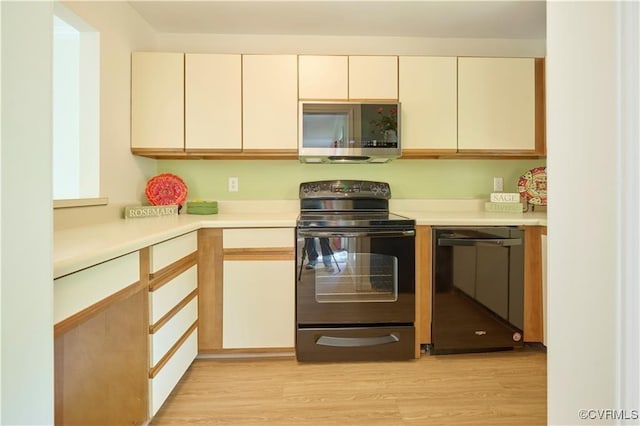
x=496, y=104
x=213, y=102
x=270, y=102
x=323, y=77
x=157, y=100
x=373, y=77
x=428, y=98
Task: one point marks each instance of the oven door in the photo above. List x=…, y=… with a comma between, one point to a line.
x=355, y=277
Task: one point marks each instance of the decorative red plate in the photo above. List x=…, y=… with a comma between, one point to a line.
x=165, y=189
x=533, y=186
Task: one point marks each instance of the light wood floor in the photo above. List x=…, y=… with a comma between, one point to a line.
x=501, y=388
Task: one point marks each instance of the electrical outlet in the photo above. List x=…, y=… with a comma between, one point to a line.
x=498, y=184
x=233, y=184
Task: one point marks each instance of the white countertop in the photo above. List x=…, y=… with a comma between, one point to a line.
x=82, y=247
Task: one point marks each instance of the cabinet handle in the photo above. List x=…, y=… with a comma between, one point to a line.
x=501, y=242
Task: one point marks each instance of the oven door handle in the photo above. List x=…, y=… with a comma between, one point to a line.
x=356, y=342
x=356, y=234
x=500, y=242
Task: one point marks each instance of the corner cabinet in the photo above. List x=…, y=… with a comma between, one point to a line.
x=157, y=102
x=258, y=309
x=100, y=330
x=213, y=105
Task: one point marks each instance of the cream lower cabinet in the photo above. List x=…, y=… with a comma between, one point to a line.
x=100, y=358
x=173, y=314
x=258, y=288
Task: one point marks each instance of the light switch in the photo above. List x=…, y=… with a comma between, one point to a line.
x=233, y=184
x=498, y=184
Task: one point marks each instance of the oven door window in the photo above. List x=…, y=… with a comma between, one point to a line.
x=350, y=270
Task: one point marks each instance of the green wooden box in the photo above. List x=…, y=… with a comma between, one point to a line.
x=202, y=207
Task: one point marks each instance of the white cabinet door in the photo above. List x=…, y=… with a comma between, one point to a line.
x=373, y=77
x=258, y=288
x=323, y=77
x=213, y=102
x=258, y=304
x=496, y=104
x=270, y=102
x=428, y=97
x=157, y=100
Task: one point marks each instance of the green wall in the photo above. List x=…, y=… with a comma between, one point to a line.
x=279, y=179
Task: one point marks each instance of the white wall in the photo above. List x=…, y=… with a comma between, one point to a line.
x=26, y=218
x=629, y=206
x=585, y=153
x=122, y=175
x=26, y=337
x=122, y=30
x=227, y=43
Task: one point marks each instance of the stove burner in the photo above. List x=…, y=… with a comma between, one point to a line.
x=348, y=204
x=353, y=220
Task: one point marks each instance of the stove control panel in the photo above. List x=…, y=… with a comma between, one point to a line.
x=345, y=189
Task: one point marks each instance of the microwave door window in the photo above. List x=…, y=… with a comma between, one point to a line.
x=325, y=130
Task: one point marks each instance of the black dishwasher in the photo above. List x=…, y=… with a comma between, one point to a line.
x=478, y=289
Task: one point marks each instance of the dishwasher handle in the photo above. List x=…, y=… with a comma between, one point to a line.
x=356, y=234
x=472, y=242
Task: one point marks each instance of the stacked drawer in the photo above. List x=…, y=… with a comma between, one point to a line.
x=173, y=314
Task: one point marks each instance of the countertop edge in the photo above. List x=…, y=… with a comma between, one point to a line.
x=80, y=248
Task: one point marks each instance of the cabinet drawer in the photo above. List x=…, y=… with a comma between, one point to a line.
x=163, y=383
x=264, y=237
x=167, y=252
x=167, y=335
x=169, y=295
x=75, y=292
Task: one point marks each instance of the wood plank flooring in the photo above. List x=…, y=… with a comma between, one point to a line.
x=500, y=388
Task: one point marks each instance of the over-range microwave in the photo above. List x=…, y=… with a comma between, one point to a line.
x=349, y=132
